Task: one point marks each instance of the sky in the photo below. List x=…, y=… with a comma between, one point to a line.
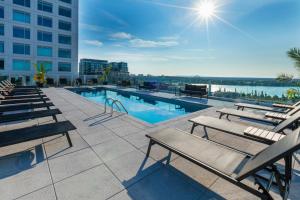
x=246, y=38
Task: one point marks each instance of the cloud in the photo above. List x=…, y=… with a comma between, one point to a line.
x=140, y=43
x=122, y=36
x=95, y=43
x=91, y=27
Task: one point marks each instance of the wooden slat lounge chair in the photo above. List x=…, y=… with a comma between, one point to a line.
x=232, y=165
x=266, y=136
x=268, y=117
x=20, y=101
x=29, y=115
x=282, y=108
x=36, y=132
x=20, y=107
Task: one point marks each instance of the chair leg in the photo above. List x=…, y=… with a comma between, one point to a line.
x=69, y=139
x=149, y=147
x=193, y=128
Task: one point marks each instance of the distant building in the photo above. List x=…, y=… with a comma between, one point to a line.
x=92, y=68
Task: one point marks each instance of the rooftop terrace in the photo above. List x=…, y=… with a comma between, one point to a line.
x=107, y=160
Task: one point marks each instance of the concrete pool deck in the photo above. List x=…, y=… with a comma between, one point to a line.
x=108, y=159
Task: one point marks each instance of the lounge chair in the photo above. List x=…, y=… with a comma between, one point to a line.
x=266, y=136
x=268, y=117
x=20, y=101
x=20, y=107
x=282, y=108
x=36, y=132
x=232, y=165
x=30, y=115
x=22, y=97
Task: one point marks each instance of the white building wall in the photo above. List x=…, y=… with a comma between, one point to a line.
x=34, y=27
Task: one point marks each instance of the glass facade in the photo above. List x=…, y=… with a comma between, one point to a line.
x=64, y=53
x=1, y=29
x=66, y=1
x=21, y=65
x=66, y=12
x=64, y=25
x=20, y=32
x=44, y=36
x=1, y=64
x=1, y=12
x=22, y=49
x=44, y=51
x=44, y=21
x=64, y=39
x=21, y=16
x=64, y=67
x=45, y=6
x=25, y=3
x=1, y=47
x=47, y=65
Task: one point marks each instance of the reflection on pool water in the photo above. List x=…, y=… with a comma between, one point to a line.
x=146, y=109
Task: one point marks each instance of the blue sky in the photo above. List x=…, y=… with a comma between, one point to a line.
x=248, y=39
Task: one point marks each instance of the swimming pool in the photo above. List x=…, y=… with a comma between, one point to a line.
x=148, y=109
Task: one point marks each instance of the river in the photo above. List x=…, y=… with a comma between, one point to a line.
x=269, y=90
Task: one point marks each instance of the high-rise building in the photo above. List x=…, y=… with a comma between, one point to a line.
x=38, y=32
x=92, y=66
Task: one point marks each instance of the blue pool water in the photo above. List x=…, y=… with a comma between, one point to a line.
x=150, y=111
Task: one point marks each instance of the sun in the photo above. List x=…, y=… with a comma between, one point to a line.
x=206, y=9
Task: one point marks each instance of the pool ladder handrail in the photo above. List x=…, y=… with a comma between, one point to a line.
x=114, y=102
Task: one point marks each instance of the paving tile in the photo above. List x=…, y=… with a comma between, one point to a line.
x=46, y=193
x=132, y=166
x=99, y=137
x=60, y=146
x=164, y=184
x=95, y=184
x=121, y=131
x=138, y=140
x=113, y=149
x=22, y=173
x=73, y=163
x=12, y=149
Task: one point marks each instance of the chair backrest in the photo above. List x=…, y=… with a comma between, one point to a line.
x=284, y=147
x=286, y=123
x=296, y=104
x=293, y=111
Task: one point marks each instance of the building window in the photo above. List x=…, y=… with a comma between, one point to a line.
x=1, y=64
x=66, y=1
x=64, y=39
x=22, y=49
x=44, y=51
x=66, y=12
x=45, y=6
x=20, y=32
x=64, y=25
x=47, y=65
x=1, y=12
x=21, y=65
x=20, y=16
x=44, y=36
x=64, y=67
x=25, y=3
x=64, y=53
x=44, y=21
x=1, y=29
x=1, y=47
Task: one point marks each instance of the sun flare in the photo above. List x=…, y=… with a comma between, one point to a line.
x=206, y=9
